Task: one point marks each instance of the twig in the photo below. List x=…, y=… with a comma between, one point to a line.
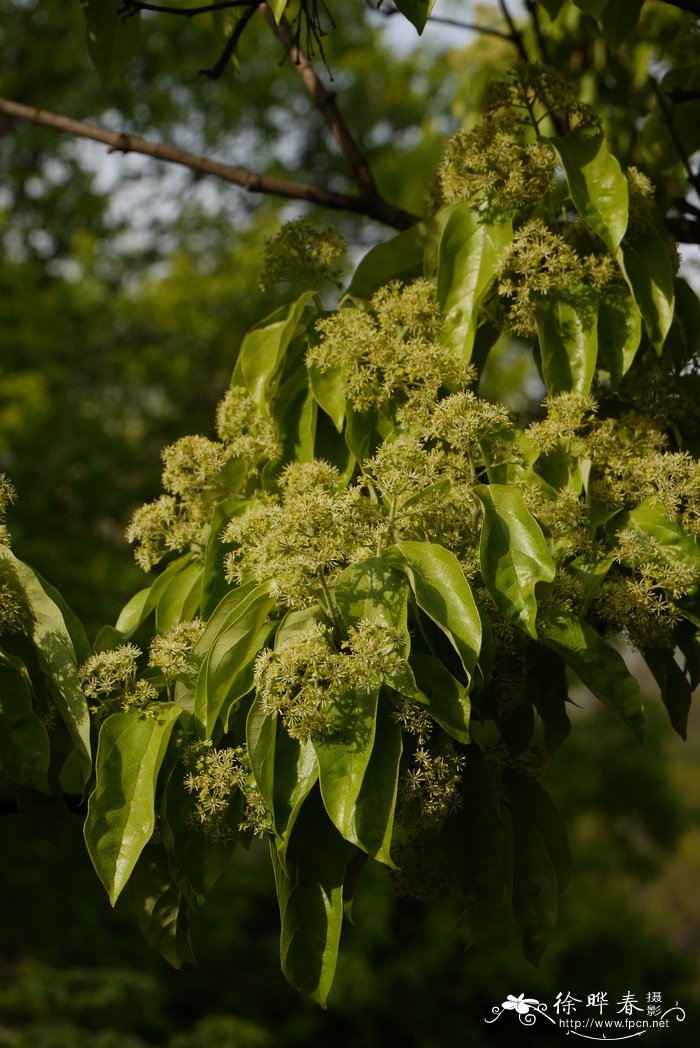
x=515, y=34
x=685, y=230
x=327, y=105
x=680, y=148
x=684, y=205
x=132, y=7
x=679, y=96
x=371, y=207
x=216, y=71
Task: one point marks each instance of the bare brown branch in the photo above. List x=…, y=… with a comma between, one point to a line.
x=327, y=105
x=371, y=206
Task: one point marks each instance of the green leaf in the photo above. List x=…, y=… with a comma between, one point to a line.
x=364, y=432
x=618, y=19
x=546, y=681
x=647, y=269
x=56, y=655
x=344, y=754
x=277, y=7
x=532, y=804
x=121, y=817
x=443, y=593
x=262, y=350
x=591, y=7
x=24, y=744
x=310, y=898
x=400, y=258
x=374, y=592
x=162, y=913
x=179, y=601
x=676, y=693
x=669, y=542
x=444, y=698
x=226, y=674
x=597, y=186
x=552, y=7
x=112, y=39
x=78, y=636
x=328, y=388
x=568, y=336
x=599, y=666
x=261, y=733
x=513, y=553
x=201, y=857
x=296, y=771
x=468, y=258
x=416, y=11
x=619, y=335
x=535, y=887
x=372, y=819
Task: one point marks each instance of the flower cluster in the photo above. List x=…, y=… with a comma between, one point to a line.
x=170, y=651
x=246, y=432
x=429, y=789
x=110, y=683
x=7, y=496
x=214, y=775
x=302, y=253
x=13, y=614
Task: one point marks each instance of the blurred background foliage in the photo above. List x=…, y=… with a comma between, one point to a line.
x=124, y=292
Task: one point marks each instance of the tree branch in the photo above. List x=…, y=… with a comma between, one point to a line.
x=217, y=70
x=132, y=7
x=119, y=142
x=327, y=105
x=675, y=137
x=515, y=34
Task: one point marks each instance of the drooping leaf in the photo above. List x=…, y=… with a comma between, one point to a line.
x=161, y=911
x=443, y=593
x=121, y=817
x=676, y=693
x=535, y=887
x=599, y=666
x=343, y=755
x=277, y=7
x=56, y=655
x=513, y=553
x=296, y=772
x=400, y=258
x=263, y=348
x=647, y=269
x=136, y=611
x=444, y=698
x=261, y=735
x=619, y=335
x=532, y=803
x=552, y=7
x=468, y=258
x=310, y=896
x=374, y=592
x=112, y=39
x=597, y=185
x=547, y=684
x=179, y=600
x=372, y=819
x=328, y=388
x=76, y=631
x=568, y=336
x=24, y=744
x=618, y=19
x=416, y=11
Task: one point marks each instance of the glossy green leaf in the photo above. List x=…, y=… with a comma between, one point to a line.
x=310, y=896
x=24, y=744
x=56, y=655
x=374, y=592
x=668, y=540
x=136, y=611
x=344, y=754
x=262, y=350
x=513, y=553
x=179, y=601
x=599, y=666
x=226, y=674
x=371, y=824
x=568, y=336
x=277, y=7
x=619, y=335
x=647, y=268
x=76, y=631
x=442, y=695
x=531, y=803
x=121, y=817
x=597, y=186
x=328, y=388
x=443, y=593
x=112, y=39
x=261, y=734
x=296, y=772
x=676, y=693
x=400, y=258
x=416, y=11
x=468, y=259
x=162, y=913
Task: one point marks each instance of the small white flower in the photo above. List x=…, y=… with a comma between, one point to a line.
x=521, y=1004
